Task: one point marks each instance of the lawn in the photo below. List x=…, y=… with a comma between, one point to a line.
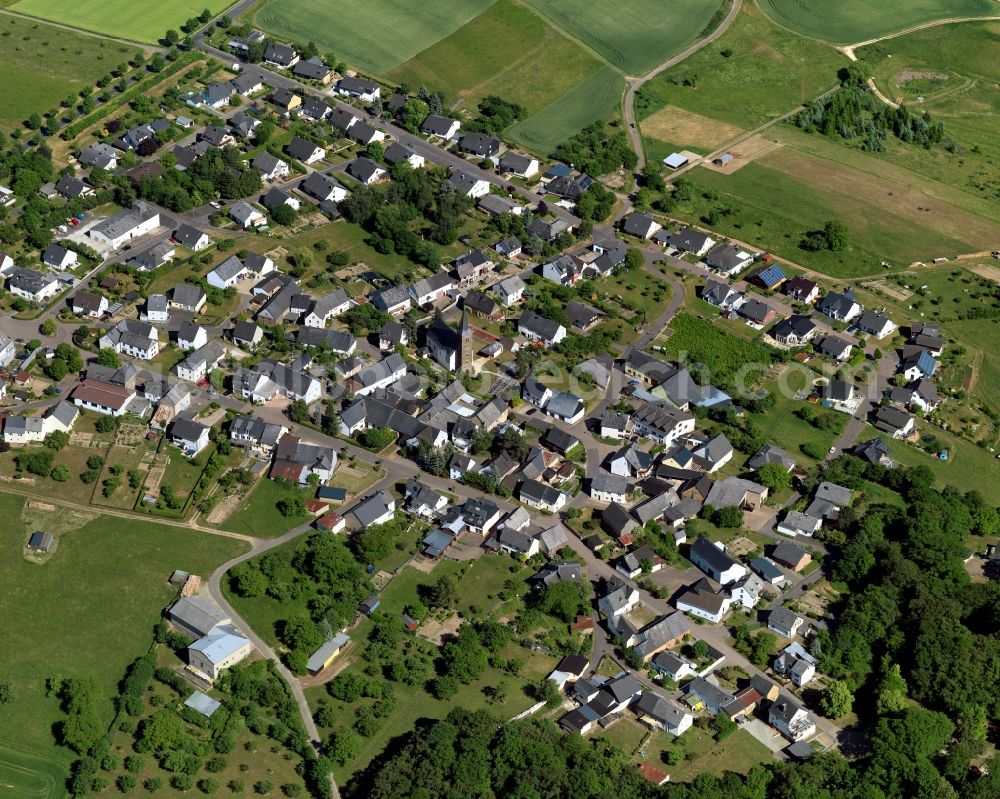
x=766, y=72
x=118, y=17
x=349, y=238
x=506, y=50
x=848, y=21
x=124, y=496
x=376, y=36
x=632, y=35
x=626, y=734
x=966, y=467
x=26, y=775
x=258, y=513
x=739, y=752
x=596, y=98
x=782, y=427
x=85, y=612
x=40, y=65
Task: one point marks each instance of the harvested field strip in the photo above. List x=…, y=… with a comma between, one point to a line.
x=687, y=129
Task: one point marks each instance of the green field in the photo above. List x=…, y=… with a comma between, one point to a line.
x=26, y=775
x=633, y=35
x=40, y=65
x=767, y=72
x=119, y=18
x=377, y=35
x=598, y=97
x=848, y=21
x=506, y=50
x=86, y=611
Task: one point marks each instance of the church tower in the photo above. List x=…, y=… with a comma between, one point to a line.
x=465, y=360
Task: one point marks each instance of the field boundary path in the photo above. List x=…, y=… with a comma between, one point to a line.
x=748, y=134
x=634, y=83
x=848, y=49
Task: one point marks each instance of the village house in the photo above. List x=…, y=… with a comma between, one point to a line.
x=712, y=559
x=538, y=328
x=298, y=460
x=801, y=289
x=727, y=259
x=784, y=622
x=397, y=152
x=89, y=303
x=841, y=307
x=359, y=88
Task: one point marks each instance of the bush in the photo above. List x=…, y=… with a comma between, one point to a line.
x=215, y=765
x=134, y=763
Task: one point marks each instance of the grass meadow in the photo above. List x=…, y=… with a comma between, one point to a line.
x=743, y=87
x=849, y=21
x=967, y=466
x=771, y=203
x=120, y=18
x=596, y=98
x=86, y=611
x=40, y=65
x=258, y=513
x=632, y=35
x=506, y=50
x=950, y=72
x=377, y=35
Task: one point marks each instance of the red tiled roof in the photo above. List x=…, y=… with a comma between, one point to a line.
x=582, y=623
x=655, y=775
x=287, y=470
x=330, y=520
x=316, y=505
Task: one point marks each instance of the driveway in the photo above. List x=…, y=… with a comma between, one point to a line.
x=766, y=734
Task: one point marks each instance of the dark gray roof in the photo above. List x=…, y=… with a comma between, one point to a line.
x=301, y=149
x=636, y=224
x=437, y=125
x=480, y=144
x=364, y=169
x=539, y=325
x=311, y=69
